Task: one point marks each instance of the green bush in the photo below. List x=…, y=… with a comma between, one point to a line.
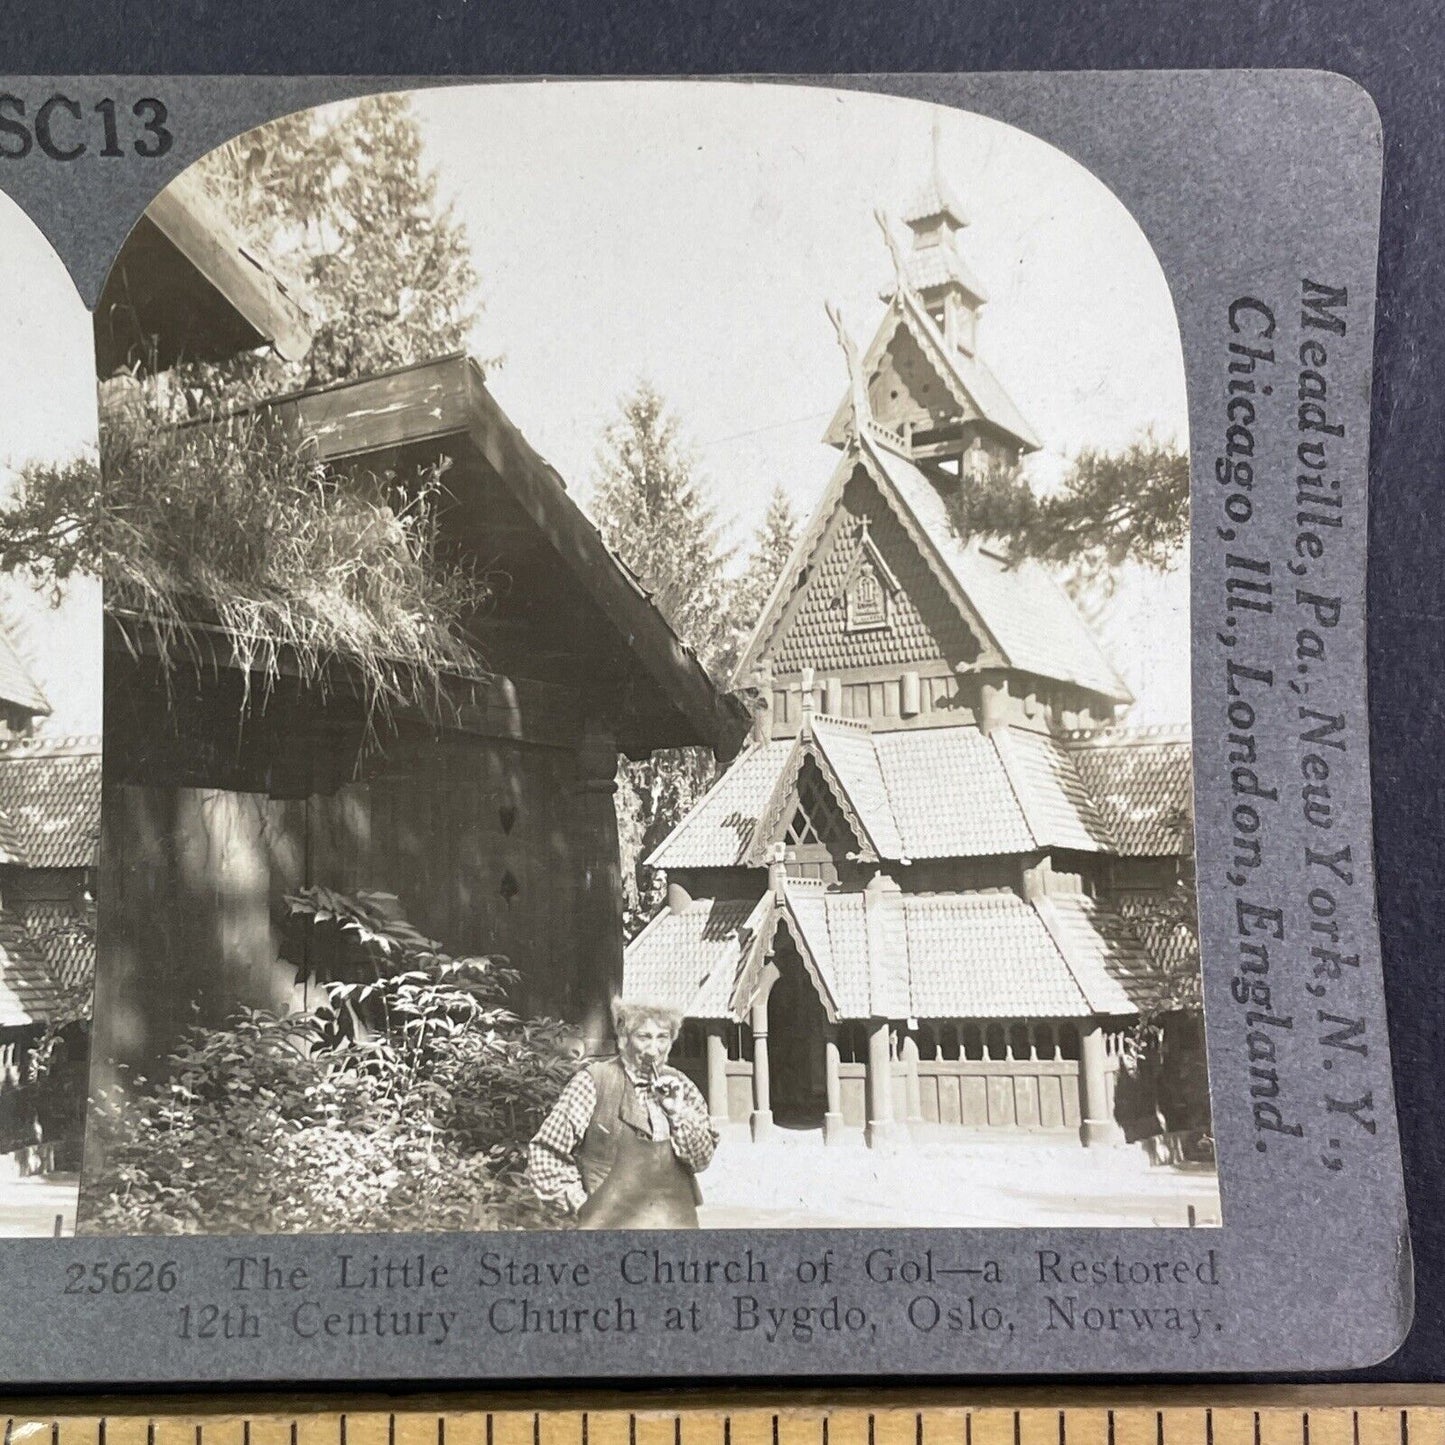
x=404, y=1101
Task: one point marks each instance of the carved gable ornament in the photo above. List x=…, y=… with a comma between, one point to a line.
x=869, y=587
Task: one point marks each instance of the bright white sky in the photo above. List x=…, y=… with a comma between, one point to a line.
x=690, y=233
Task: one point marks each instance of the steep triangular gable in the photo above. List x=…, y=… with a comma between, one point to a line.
x=799, y=908
x=822, y=534
x=974, y=389
x=805, y=911
x=868, y=553
x=877, y=360
x=847, y=761
x=756, y=955
x=795, y=790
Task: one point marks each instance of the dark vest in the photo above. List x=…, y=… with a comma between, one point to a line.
x=617, y=1108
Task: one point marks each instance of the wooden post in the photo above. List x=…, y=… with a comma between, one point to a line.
x=598, y=916
x=833, y=1119
x=762, y=1120
x=994, y=702
x=910, y=695
x=1097, y=1126
x=879, y=1128
x=913, y=1090
x=717, y=1072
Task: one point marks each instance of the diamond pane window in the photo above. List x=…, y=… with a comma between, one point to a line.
x=818, y=819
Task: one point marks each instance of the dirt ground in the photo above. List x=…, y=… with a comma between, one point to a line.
x=28, y=1207
x=792, y=1181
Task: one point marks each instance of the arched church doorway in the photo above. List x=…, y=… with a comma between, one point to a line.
x=797, y=1031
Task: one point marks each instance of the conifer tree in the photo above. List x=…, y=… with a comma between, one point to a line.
x=773, y=543
x=651, y=511
x=649, y=504
x=340, y=199
x=340, y=202
x=1113, y=507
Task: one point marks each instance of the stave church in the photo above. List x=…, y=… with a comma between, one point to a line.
x=923, y=896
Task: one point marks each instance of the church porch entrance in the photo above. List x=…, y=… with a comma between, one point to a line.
x=798, y=1031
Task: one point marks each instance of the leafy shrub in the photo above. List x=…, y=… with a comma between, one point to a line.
x=403, y=1101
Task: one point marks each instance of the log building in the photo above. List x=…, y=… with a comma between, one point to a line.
x=492, y=818
x=907, y=901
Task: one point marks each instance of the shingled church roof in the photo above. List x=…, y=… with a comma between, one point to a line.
x=692, y=960
x=951, y=792
x=932, y=955
x=1032, y=625
x=1035, y=625
x=27, y=994
x=17, y=686
x=966, y=376
x=1142, y=783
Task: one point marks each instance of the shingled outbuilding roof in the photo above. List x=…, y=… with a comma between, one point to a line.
x=50, y=802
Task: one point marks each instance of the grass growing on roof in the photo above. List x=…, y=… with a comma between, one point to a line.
x=233, y=525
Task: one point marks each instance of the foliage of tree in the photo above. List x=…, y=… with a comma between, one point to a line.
x=773, y=543
x=1114, y=508
x=226, y=522
x=404, y=1100
x=650, y=506
x=1111, y=508
x=651, y=511
x=340, y=198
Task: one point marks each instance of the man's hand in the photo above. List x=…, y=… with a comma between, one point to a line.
x=668, y=1092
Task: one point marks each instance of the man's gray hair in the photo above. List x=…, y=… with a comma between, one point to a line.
x=631, y=1013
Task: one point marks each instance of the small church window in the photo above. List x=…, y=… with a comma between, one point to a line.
x=817, y=819
x=867, y=600
x=868, y=587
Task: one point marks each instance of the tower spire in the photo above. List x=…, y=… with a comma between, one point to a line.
x=935, y=210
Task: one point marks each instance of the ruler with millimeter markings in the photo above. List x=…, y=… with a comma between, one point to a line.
x=1336, y=1415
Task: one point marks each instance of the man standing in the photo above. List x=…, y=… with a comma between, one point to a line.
x=624, y=1143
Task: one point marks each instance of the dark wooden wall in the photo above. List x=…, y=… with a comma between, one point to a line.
x=479, y=838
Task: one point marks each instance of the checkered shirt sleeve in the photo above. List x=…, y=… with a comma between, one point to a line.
x=693, y=1137
x=551, y=1166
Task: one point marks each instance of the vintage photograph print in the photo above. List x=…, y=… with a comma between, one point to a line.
x=50, y=723
x=690, y=729
x=646, y=683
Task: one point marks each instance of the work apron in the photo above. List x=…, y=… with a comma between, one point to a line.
x=648, y=1187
